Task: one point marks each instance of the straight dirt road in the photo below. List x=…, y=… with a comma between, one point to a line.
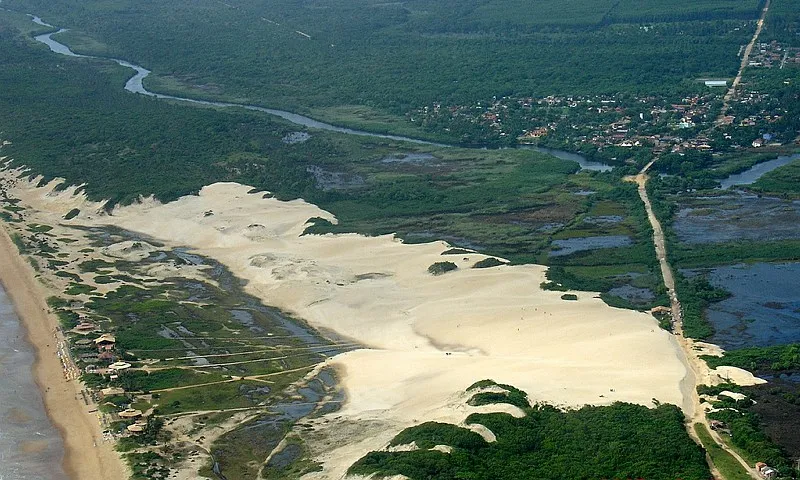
x=745, y=62
x=698, y=369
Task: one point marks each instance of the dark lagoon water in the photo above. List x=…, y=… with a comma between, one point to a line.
x=585, y=163
x=30, y=447
x=572, y=245
x=757, y=171
x=737, y=217
x=635, y=295
x=764, y=308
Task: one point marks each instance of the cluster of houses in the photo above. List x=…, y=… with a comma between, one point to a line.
x=619, y=122
x=99, y=357
x=773, y=54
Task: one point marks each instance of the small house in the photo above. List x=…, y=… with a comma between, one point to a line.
x=119, y=366
x=85, y=327
x=717, y=425
x=105, y=340
x=111, y=391
x=130, y=413
x=765, y=471
x=135, y=428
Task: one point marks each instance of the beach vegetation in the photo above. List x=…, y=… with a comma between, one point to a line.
x=147, y=465
x=569, y=296
x=440, y=268
x=72, y=214
x=616, y=441
x=457, y=251
x=696, y=293
x=778, y=358
x=488, y=263
x=76, y=288
x=429, y=434
x=37, y=228
x=95, y=265
x=19, y=243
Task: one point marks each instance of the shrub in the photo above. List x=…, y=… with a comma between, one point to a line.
x=439, y=268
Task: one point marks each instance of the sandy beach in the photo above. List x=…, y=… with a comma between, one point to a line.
x=87, y=456
x=426, y=338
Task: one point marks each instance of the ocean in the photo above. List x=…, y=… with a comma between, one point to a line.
x=30, y=446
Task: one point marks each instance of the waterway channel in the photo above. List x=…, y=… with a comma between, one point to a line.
x=135, y=85
x=757, y=171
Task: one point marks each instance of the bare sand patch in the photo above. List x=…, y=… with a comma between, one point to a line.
x=427, y=337
x=735, y=375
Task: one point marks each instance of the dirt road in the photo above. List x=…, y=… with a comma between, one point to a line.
x=697, y=370
x=745, y=62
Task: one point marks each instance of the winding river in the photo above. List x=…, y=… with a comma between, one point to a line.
x=135, y=85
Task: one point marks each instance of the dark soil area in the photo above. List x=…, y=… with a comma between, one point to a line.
x=778, y=405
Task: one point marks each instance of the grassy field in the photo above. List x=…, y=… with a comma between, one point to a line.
x=728, y=466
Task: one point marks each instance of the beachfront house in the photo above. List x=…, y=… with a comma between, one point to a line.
x=85, y=327
x=136, y=428
x=130, y=413
x=111, y=392
x=765, y=471
x=119, y=366
x=105, y=341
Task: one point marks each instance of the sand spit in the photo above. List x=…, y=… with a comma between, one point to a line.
x=87, y=456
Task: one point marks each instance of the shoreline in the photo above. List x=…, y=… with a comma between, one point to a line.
x=431, y=336
x=86, y=455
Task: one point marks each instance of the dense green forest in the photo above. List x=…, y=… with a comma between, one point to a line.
x=778, y=358
x=68, y=118
x=393, y=57
x=617, y=441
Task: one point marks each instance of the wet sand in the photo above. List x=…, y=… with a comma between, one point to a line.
x=30, y=446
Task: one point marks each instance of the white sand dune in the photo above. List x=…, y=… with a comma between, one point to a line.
x=427, y=337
